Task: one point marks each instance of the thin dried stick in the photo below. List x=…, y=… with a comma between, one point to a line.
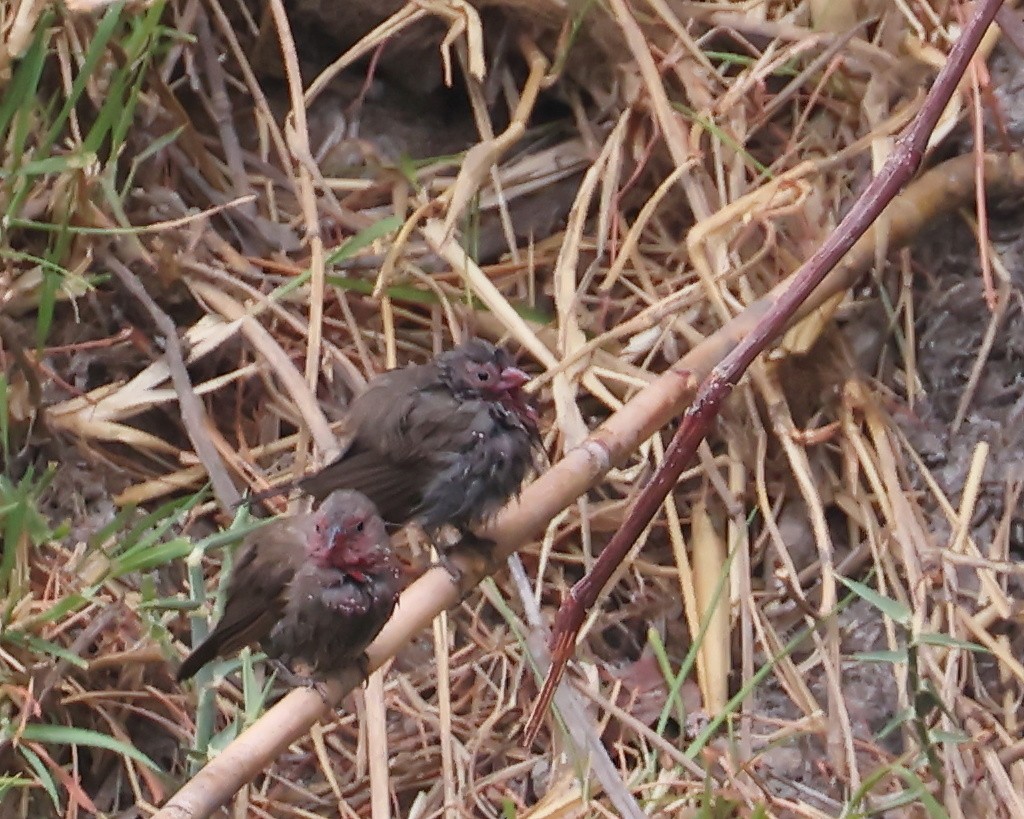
x=193, y=416
x=897, y=172
x=298, y=143
x=580, y=724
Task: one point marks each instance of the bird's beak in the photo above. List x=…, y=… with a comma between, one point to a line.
x=512, y=378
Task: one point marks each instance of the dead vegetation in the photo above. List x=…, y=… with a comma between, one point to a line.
x=823, y=620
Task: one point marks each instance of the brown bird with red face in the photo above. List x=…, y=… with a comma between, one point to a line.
x=447, y=442
x=313, y=588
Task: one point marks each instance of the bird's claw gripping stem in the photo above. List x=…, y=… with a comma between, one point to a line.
x=471, y=547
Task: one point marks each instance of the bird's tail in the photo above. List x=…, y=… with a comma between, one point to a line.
x=267, y=494
x=200, y=656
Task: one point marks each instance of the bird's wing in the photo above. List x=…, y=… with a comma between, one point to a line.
x=380, y=407
x=257, y=592
x=404, y=424
x=395, y=417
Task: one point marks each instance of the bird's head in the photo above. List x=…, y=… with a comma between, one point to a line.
x=350, y=536
x=478, y=369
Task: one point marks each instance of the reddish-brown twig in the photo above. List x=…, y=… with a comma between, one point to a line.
x=897, y=172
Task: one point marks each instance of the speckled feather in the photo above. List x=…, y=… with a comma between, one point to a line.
x=425, y=446
x=322, y=603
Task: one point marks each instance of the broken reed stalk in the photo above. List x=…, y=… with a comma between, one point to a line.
x=897, y=171
x=939, y=191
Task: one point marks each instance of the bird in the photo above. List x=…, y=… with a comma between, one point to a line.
x=312, y=588
x=448, y=442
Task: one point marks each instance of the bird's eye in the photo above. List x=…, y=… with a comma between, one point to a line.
x=360, y=526
x=482, y=375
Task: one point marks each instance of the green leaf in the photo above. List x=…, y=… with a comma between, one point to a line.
x=152, y=527
x=61, y=163
x=43, y=775
x=892, y=609
x=921, y=793
x=897, y=719
x=674, y=699
x=140, y=560
x=47, y=299
x=888, y=803
x=716, y=130
x=364, y=238
x=945, y=640
x=952, y=737
x=118, y=524
x=343, y=251
x=690, y=660
x=64, y=606
x=881, y=656
x=152, y=148
x=254, y=696
x=140, y=549
x=123, y=95
x=241, y=527
x=15, y=523
x=169, y=604
x=69, y=735
x=219, y=741
x=41, y=646
x=19, y=95
x=97, y=48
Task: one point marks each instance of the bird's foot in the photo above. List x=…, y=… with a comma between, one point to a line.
x=454, y=572
x=363, y=664
x=467, y=560
x=471, y=540
x=296, y=680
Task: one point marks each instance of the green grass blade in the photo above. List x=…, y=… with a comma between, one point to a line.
x=346, y=249
x=97, y=47
x=20, y=94
x=41, y=647
x=141, y=560
x=70, y=735
x=892, y=609
x=43, y=776
x=946, y=641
